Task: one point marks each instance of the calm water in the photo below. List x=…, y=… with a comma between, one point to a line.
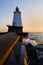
x=36, y=35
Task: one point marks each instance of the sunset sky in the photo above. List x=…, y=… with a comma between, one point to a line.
x=31, y=12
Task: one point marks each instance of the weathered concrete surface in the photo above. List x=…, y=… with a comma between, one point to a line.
x=6, y=43
x=17, y=55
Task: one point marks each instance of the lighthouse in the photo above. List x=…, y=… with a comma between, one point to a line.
x=17, y=22
x=17, y=18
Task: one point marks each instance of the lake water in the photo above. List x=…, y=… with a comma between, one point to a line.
x=36, y=35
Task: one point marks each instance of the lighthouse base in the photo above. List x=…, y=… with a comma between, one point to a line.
x=18, y=30
x=15, y=29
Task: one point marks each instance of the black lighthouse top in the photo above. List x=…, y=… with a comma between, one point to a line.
x=17, y=9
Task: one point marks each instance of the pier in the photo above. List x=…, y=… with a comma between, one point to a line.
x=7, y=43
x=10, y=50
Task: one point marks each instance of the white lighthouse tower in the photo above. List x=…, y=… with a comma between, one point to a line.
x=17, y=18
x=17, y=22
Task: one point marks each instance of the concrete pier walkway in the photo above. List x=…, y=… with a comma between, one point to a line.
x=7, y=43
